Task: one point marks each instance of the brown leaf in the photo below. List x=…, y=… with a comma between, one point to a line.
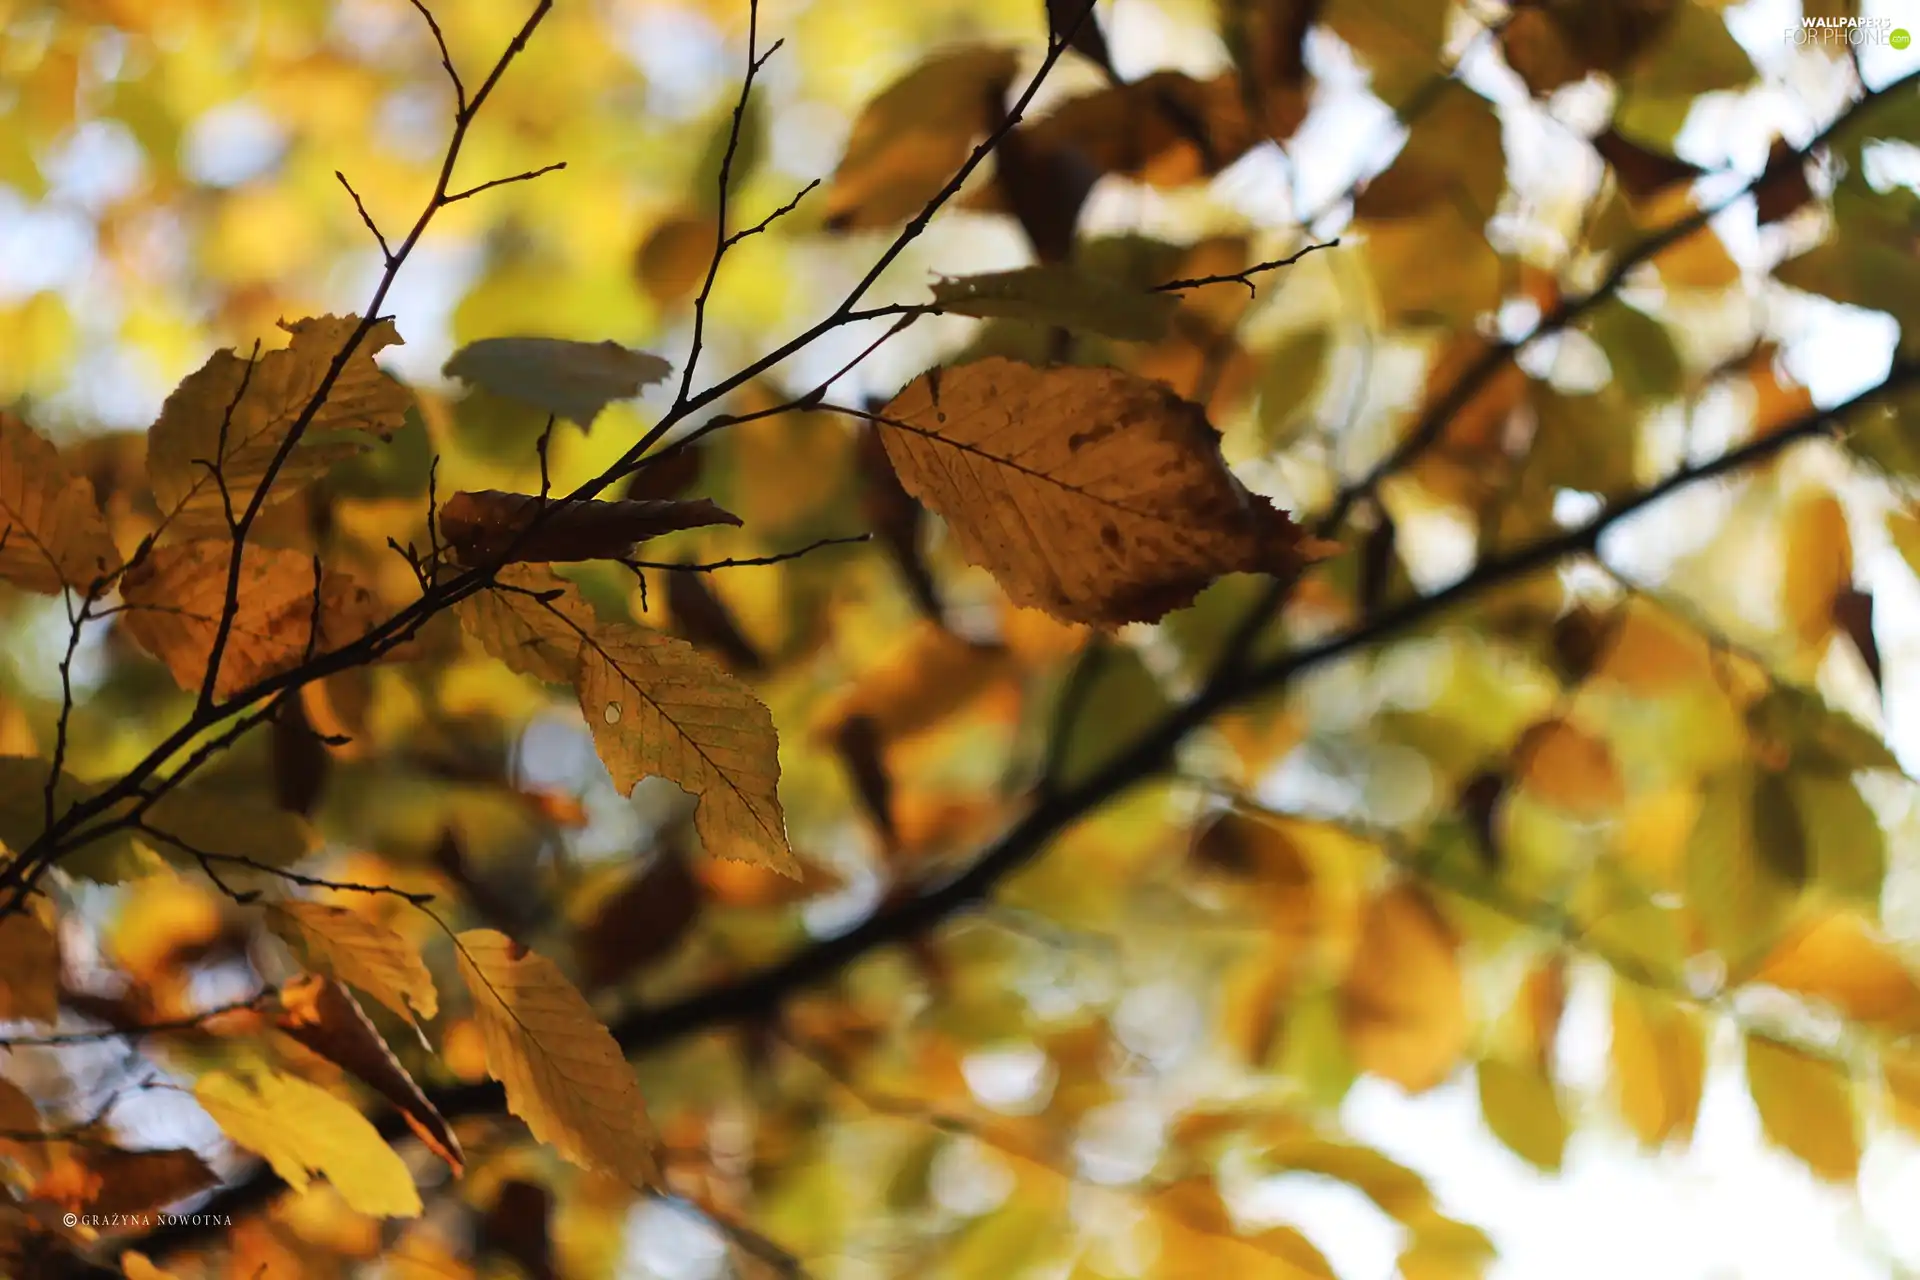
x=703, y=620
x=299, y=760
x=29, y=969
x=913, y=136
x=516, y=1227
x=640, y=923
x=52, y=535
x=174, y=599
x=896, y=517
x=859, y=746
x=229, y=419
x=485, y=525
x=1556, y=43
x=1044, y=186
x=363, y=952
x=1094, y=494
x=563, y=1073
x=1076, y=22
x=1403, y=1007
x=1853, y=614
x=105, y=1181
x=1783, y=188
x=323, y=1015
x=1639, y=171
x=1166, y=130
x=675, y=472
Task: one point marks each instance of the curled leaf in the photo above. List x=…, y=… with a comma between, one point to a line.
x=1061, y=295
x=573, y=380
x=363, y=952
x=488, y=524
x=323, y=1015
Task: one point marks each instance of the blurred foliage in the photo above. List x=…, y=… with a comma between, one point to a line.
x=1472, y=767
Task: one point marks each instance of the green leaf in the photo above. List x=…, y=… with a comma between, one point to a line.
x=746, y=156
x=1846, y=845
x=1452, y=155
x=1740, y=893
x=1694, y=54
x=1779, y=838
x=1646, y=363
x=1523, y=1109
x=1120, y=701
x=573, y=380
x=1058, y=294
x=1399, y=41
x=1292, y=372
x=1436, y=268
x=1816, y=734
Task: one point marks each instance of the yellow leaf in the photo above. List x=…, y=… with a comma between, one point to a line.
x=1819, y=565
x=1402, y=1006
x=914, y=135
x=1806, y=1106
x=175, y=597
x=923, y=677
x=52, y=534
x=29, y=969
x=1659, y=1064
x=1838, y=957
x=1199, y=1241
x=1740, y=890
x=236, y=414
x=563, y=1073
x=655, y=706
x=137, y=1266
x=301, y=1129
x=1523, y=1109
x=107, y=1180
x=1568, y=767
x=363, y=952
x=1904, y=528
x=1139, y=511
x=1901, y=1069
x=1652, y=652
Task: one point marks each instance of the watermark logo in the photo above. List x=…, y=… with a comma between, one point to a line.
x=1833, y=32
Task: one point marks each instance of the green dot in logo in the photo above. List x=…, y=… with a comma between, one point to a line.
x=1899, y=38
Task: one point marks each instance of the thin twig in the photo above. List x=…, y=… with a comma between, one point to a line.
x=191, y=1023
x=491, y=183
x=1242, y=277
x=744, y=562
x=386, y=254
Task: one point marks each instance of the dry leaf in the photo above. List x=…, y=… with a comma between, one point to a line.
x=1094, y=494
x=106, y=1181
x=563, y=1073
x=1076, y=23
x=363, y=952
x=1566, y=766
x=302, y=1129
x=52, y=534
x=29, y=969
x=175, y=597
x=574, y=380
x=1166, y=130
x=912, y=137
x=322, y=1015
x=483, y=526
x=1402, y=1007
x=640, y=923
x=208, y=419
x=1641, y=172
x=1059, y=294
x=655, y=706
